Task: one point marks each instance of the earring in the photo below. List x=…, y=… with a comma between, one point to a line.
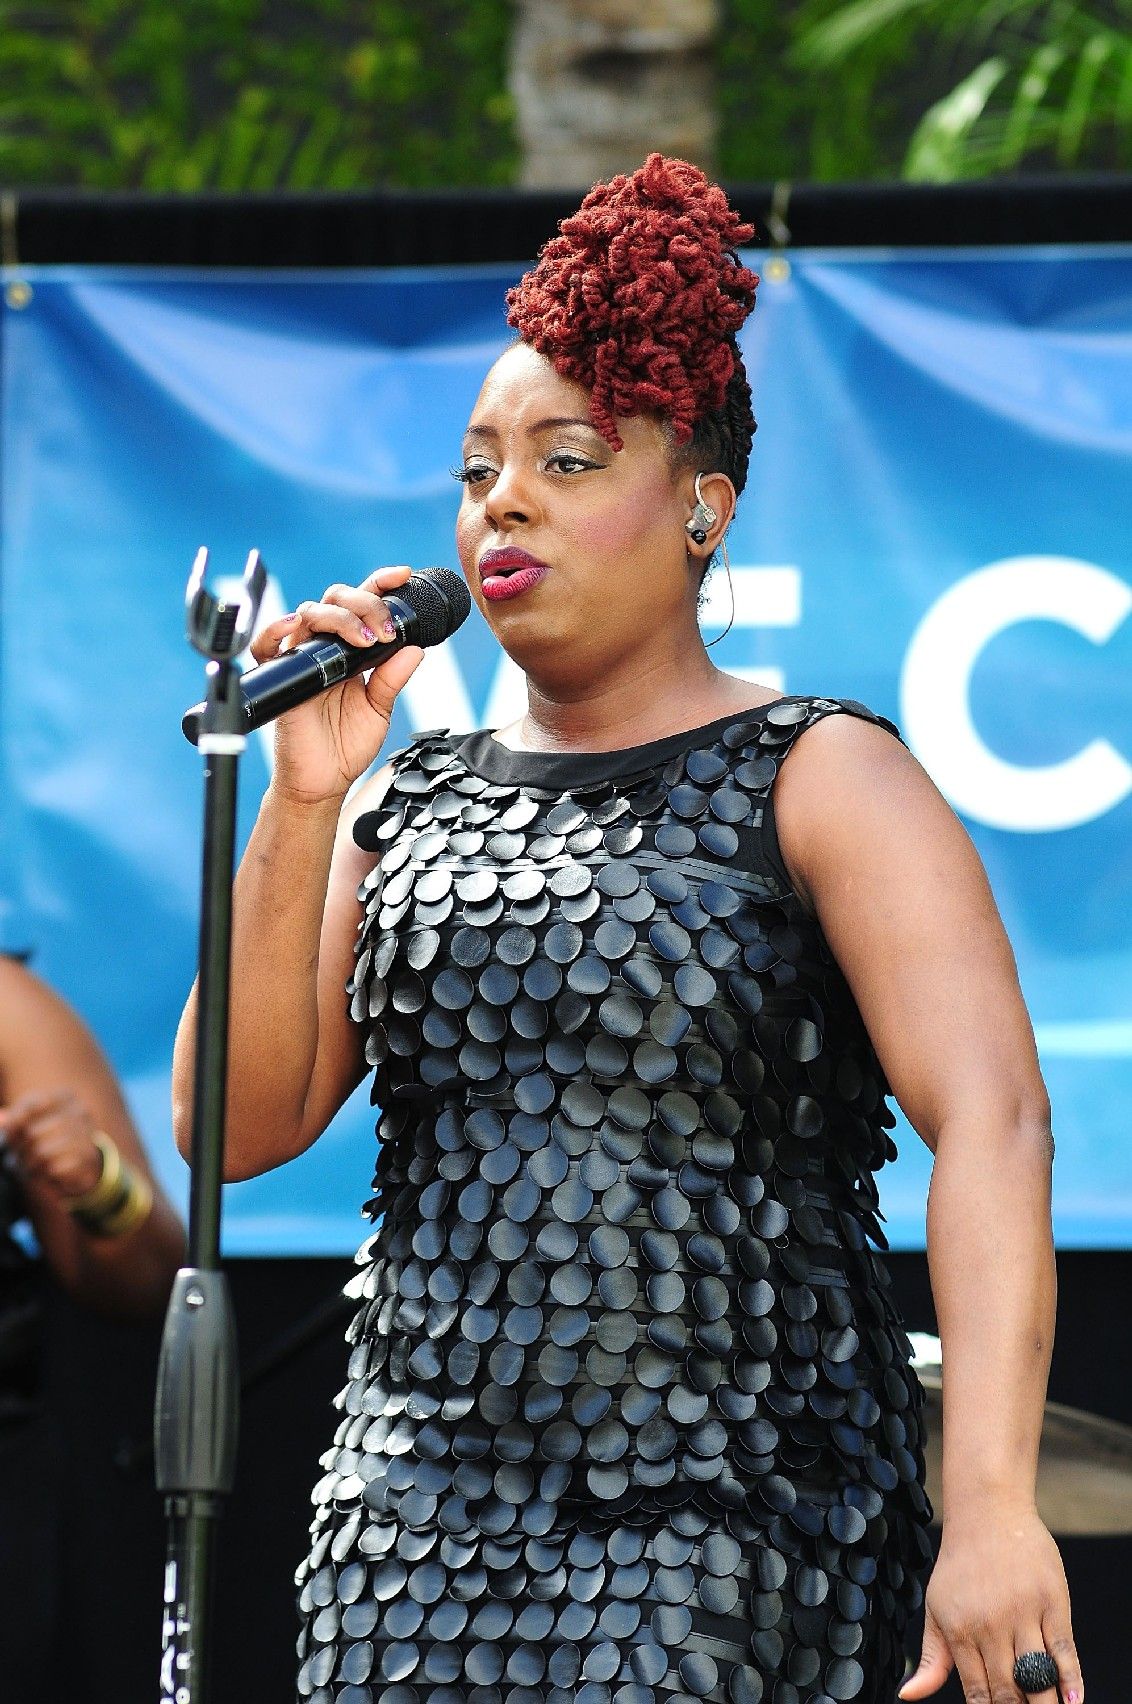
x=703, y=516
x=731, y=589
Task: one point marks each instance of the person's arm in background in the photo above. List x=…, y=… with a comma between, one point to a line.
x=56, y=1091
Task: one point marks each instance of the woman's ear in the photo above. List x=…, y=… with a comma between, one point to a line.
x=711, y=504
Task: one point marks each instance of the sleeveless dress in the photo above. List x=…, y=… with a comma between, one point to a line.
x=630, y=1417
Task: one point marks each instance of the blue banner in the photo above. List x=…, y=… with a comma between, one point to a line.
x=937, y=522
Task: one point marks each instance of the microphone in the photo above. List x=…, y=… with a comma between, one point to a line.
x=430, y=605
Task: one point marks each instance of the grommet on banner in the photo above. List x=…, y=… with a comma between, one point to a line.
x=777, y=268
x=18, y=292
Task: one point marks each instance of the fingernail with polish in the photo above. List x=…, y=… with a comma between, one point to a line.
x=369, y=633
x=389, y=630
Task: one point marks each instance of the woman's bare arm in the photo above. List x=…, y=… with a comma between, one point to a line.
x=906, y=907
x=294, y=1055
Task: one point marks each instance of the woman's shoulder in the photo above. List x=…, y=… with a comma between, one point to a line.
x=850, y=776
x=806, y=710
x=839, y=743
x=846, y=791
x=807, y=722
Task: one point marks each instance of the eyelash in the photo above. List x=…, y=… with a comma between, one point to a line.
x=472, y=475
x=583, y=462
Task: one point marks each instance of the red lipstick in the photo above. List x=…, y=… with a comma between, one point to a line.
x=509, y=572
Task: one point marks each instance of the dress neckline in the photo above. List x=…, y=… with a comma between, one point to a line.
x=488, y=757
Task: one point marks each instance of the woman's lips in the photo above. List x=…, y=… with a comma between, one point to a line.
x=509, y=573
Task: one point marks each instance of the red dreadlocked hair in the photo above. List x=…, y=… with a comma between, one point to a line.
x=640, y=296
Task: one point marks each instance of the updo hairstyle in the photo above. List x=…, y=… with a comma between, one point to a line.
x=639, y=298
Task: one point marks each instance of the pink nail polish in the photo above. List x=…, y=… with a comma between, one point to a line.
x=1072, y=1697
x=369, y=633
x=389, y=630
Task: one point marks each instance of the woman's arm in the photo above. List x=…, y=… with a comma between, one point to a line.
x=293, y=1055
x=57, y=1090
x=906, y=908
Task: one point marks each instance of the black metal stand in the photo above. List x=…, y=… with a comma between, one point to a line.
x=195, y=1414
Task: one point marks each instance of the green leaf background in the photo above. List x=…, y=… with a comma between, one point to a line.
x=345, y=94
x=184, y=95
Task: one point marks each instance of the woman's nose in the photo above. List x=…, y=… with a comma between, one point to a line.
x=511, y=497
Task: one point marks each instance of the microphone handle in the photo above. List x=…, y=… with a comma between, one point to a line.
x=277, y=686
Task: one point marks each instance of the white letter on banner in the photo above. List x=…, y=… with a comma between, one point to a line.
x=935, y=693
x=435, y=695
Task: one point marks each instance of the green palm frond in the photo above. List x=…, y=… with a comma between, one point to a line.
x=1031, y=90
x=938, y=147
x=1044, y=80
x=854, y=26
x=1099, y=51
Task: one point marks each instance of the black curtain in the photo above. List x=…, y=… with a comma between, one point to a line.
x=465, y=227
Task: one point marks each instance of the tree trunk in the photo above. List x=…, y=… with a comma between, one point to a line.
x=598, y=84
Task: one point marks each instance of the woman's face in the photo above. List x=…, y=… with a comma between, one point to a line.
x=574, y=553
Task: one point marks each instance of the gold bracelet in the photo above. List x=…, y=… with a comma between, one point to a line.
x=109, y=1186
x=119, y=1202
x=134, y=1210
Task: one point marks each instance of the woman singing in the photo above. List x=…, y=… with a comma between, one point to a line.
x=629, y=1414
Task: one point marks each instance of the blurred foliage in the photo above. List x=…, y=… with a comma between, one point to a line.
x=778, y=120
x=932, y=90
x=1025, y=81
x=185, y=95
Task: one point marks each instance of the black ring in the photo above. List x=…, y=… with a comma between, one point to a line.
x=1035, y=1671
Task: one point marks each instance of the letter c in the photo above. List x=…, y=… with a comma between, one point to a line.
x=935, y=693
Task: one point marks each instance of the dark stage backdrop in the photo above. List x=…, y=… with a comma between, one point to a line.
x=101, y=1376
x=467, y=227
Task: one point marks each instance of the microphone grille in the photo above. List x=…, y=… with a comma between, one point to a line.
x=440, y=601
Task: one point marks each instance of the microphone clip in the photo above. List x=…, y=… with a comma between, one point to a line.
x=220, y=629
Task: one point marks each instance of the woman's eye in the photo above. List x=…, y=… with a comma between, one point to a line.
x=568, y=461
x=471, y=473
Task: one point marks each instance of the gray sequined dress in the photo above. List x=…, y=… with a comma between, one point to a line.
x=630, y=1417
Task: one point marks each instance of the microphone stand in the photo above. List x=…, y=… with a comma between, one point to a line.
x=196, y=1406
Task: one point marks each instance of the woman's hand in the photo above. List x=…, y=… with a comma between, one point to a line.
x=322, y=746
x=998, y=1589
x=51, y=1138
